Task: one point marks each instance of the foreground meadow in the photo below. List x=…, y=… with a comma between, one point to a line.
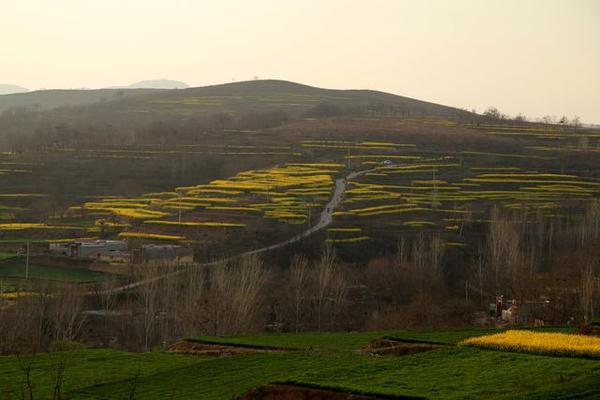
x=320, y=360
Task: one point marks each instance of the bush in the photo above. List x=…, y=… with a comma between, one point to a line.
x=65, y=345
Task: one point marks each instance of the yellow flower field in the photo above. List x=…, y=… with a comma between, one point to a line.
x=16, y=295
x=559, y=344
x=348, y=240
x=33, y=225
x=197, y=224
x=343, y=229
x=142, y=235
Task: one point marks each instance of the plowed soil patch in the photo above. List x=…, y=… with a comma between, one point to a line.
x=214, y=349
x=387, y=346
x=294, y=392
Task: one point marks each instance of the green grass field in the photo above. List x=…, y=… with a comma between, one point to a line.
x=325, y=360
x=6, y=256
x=16, y=269
x=343, y=342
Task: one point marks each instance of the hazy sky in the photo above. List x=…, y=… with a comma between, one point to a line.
x=537, y=57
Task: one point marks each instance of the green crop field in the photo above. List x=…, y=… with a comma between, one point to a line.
x=329, y=360
x=354, y=340
x=6, y=256
x=16, y=269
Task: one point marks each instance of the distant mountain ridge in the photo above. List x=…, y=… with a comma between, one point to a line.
x=10, y=89
x=154, y=84
x=159, y=84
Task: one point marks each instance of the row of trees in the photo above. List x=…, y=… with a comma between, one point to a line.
x=26, y=130
x=575, y=122
x=421, y=284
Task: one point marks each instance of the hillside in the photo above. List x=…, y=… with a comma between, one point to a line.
x=49, y=99
x=237, y=98
x=294, y=98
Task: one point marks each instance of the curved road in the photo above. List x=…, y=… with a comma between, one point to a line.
x=325, y=219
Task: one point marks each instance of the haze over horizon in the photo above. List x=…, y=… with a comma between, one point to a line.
x=535, y=57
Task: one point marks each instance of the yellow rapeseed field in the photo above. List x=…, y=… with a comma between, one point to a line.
x=287, y=192
x=142, y=235
x=19, y=226
x=196, y=224
x=539, y=343
x=348, y=240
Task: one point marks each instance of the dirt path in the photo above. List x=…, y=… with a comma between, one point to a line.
x=325, y=219
x=292, y=391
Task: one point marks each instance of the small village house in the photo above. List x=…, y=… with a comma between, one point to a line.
x=99, y=250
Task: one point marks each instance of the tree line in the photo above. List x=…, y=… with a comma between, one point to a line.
x=551, y=264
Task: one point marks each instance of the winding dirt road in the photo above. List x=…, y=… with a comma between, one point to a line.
x=325, y=219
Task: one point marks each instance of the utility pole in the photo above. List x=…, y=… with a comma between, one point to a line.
x=27, y=262
x=180, y=194
x=348, y=157
x=434, y=188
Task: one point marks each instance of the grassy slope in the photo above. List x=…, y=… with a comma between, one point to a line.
x=452, y=373
x=277, y=94
x=262, y=95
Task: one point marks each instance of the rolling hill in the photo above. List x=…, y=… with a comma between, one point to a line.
x=236, y=98
x=294, y=98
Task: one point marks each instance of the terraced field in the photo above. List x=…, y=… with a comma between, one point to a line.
x=409, y=188
x=281, y=195
x=419, y=191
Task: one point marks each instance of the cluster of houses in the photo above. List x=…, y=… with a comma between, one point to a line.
x=119, y=251
x=523, y=312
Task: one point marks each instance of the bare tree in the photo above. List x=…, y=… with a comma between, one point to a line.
x=298, y=277
x=503, y=249
x=67, y=306
x=494, y=113
x=190, y=309
x=149, y=298
x=329, y=287
x=250, y=282
x=426, y=261
x=588, y=286
x=520, y=117
x=219, y=301
x=575, y=122
x=548, y=119
x=236, y=295
x=563, y=121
